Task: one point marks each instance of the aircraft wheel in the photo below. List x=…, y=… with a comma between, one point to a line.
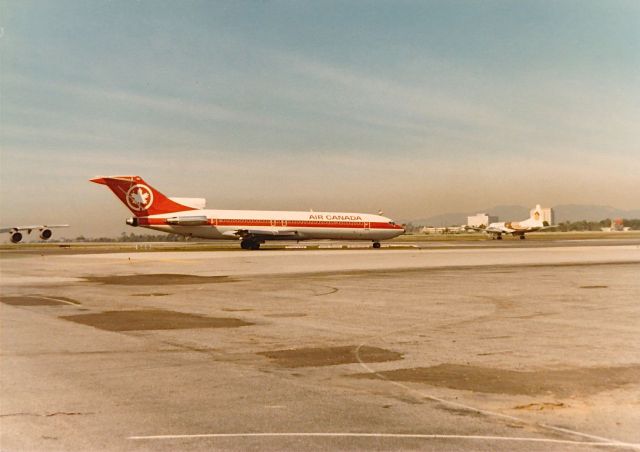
x=255, y=245
x=245, y=244
x=499, y=237
x=522, y=237
x=376, y=245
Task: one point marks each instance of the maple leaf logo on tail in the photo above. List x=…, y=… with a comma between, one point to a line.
x=139, y=197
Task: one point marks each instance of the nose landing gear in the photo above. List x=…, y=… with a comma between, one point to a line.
x=376, y=245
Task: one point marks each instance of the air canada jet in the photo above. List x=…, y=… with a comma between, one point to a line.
x=516, y=228
x=44, y=229
x=190, y=218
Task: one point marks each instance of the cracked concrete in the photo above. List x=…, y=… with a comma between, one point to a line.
x=70, y=386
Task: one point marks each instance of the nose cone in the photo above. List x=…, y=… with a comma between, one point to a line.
x=98, y=180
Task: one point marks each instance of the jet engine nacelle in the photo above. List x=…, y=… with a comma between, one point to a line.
x=16, y=237
x=46, y=234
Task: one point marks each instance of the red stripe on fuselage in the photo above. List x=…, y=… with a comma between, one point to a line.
x=248, y=223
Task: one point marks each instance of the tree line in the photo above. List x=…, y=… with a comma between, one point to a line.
x=584, y=225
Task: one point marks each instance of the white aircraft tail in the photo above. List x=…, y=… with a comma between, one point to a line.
x=536, y=219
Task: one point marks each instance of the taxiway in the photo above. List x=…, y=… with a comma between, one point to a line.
x=514, y=348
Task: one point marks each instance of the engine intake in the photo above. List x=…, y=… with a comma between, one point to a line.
x=46, y=234
x=16, y=237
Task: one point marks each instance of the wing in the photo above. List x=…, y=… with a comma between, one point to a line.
x=263, y=234
x=488, y=229
x=496, y=230
x=33, y=226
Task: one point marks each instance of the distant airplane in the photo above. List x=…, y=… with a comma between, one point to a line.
x=516, y=228
x=45, y=231
x=188, y=217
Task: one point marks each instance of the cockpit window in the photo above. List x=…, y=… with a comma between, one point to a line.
x=392, y=222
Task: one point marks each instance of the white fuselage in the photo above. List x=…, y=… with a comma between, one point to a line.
x=283, y=225
x=510, y=227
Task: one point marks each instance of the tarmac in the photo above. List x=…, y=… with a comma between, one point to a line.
x=521, y=347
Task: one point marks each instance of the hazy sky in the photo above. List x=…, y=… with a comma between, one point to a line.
x=413, y=107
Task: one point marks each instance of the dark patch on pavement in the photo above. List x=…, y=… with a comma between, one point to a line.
x=153, y=294
x=540, y=406
x=459, y=411
x=594, y=287
x=237, y=309
x=37, y=300
x=330, y=356
x=562, y=383
x=156, y=279
x=284, y=315
x=152, y=319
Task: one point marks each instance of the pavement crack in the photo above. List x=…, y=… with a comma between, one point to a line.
x=55, y=413
x=330, y=290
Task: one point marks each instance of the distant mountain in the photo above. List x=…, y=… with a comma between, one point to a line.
x=565, y=212
x=577, y=212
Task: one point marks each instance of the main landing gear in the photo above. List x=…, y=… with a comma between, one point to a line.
x=522, y=237
x=376, y=245
x=249, y=244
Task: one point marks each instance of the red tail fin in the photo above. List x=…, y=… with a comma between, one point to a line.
x=141, y=198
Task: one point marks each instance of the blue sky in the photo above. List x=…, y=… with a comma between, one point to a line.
x=415, y=108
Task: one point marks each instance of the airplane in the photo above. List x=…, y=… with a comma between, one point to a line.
x=190, y=218
x=516, y=228
x=45, y=231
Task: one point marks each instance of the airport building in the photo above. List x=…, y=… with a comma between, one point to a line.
x=547, y=214
x=481, y=219
x=442, y=230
